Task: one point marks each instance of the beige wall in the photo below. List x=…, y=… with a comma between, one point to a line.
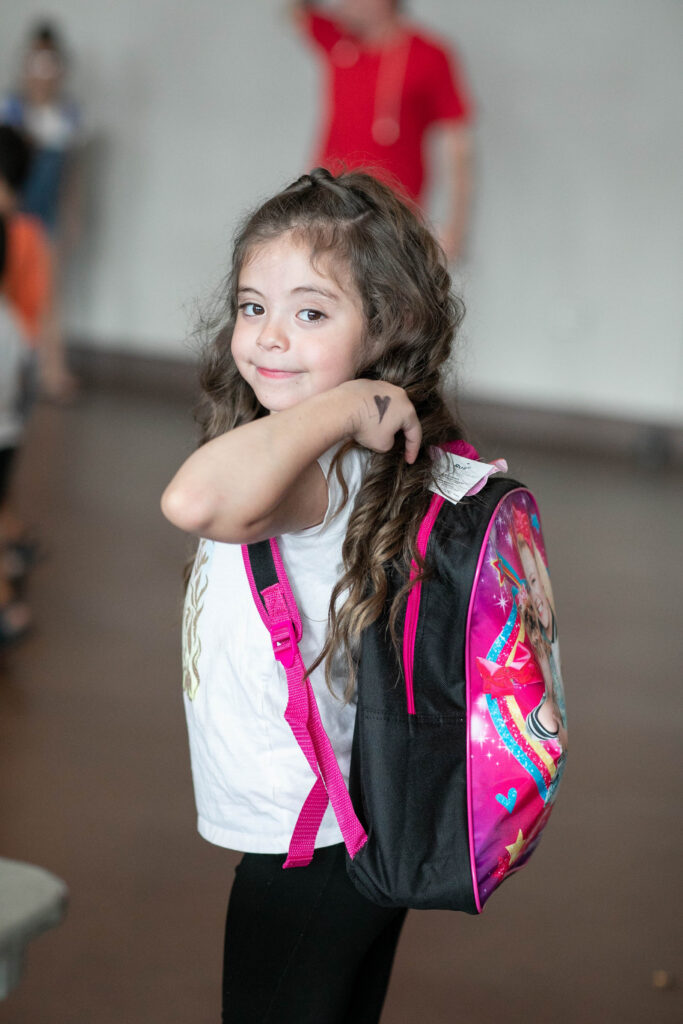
x=573, y=281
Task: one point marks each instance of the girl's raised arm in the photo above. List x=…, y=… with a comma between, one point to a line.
x=262, y=479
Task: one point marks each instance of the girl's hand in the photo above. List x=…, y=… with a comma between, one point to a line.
x=379, y=411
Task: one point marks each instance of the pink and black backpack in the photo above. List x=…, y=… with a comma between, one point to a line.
x=459, y=742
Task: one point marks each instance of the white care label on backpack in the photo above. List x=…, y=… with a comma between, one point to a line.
x=456, y=476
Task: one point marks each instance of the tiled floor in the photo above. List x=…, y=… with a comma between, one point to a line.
x=94, y=773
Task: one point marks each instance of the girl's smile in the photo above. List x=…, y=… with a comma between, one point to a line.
x=276, y=374
x=299, y=331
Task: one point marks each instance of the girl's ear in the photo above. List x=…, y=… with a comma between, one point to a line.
x=371, y=354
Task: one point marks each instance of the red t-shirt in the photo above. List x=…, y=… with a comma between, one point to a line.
x=380, y=102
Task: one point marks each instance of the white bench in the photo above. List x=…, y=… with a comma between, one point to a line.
x=31, y=901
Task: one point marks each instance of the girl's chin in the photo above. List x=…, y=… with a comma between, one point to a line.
x=274, y=407
x=278, y=400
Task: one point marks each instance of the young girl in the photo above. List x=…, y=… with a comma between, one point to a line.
x=321, y=401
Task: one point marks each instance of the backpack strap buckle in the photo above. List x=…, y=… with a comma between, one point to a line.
x=283, y=638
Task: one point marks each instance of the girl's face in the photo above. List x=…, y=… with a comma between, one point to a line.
x=535, y=586
x=299, y=331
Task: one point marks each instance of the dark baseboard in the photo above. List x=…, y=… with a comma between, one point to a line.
x=492, y=423
x=108, y=370
x=649, y=443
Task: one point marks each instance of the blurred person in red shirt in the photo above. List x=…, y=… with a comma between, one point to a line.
x=387, y=84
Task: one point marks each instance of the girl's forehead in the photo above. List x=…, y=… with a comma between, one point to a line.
x=295, y=249
x=279, y=247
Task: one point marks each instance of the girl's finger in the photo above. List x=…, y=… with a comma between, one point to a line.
x=413, y=436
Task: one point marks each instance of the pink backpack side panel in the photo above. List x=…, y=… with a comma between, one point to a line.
x=515, y=695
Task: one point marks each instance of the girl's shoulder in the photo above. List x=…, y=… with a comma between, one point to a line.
x=351, y=466
x=344, y=478
x=353, y=461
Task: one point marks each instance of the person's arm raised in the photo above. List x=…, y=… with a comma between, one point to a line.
x=262, y=479
x=458, y=157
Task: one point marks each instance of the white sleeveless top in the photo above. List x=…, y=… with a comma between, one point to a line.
x=250, y=775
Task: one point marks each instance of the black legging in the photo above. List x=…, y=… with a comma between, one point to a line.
x=7, y=456
x=302, y=946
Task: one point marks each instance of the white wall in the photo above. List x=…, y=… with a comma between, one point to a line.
x=573, y=282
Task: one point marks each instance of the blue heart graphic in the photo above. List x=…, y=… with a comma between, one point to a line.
x=509, y=801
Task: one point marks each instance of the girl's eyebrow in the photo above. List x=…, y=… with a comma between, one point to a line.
x=317, y=290
x=305, y=288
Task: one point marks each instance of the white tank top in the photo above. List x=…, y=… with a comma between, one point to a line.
x=250, y=775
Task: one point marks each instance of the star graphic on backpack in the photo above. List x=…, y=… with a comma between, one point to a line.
x=516, y=848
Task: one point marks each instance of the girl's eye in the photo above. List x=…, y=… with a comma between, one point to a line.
x=251, y=309
x=311, y=316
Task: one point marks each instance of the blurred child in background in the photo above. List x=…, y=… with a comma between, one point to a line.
x=25, y=290
x=51, y=121
x=14, y=615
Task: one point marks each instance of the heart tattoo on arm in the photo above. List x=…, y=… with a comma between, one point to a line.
x=382, y=403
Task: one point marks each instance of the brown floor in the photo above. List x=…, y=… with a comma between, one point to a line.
x=94, y=773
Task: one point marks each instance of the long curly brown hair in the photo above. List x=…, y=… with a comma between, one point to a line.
x=359, y=225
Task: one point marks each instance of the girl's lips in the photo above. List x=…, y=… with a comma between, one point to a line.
x=275, y=374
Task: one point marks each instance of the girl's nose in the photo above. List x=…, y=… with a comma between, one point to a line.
x=273, y=335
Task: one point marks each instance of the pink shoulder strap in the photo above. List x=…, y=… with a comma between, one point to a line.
x=277, y=607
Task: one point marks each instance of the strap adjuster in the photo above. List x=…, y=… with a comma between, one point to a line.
x=283, y=638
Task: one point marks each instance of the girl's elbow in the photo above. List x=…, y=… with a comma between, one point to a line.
x=200, y=513
x=187, y=511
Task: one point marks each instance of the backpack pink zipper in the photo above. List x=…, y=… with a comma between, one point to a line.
x=413, y=602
